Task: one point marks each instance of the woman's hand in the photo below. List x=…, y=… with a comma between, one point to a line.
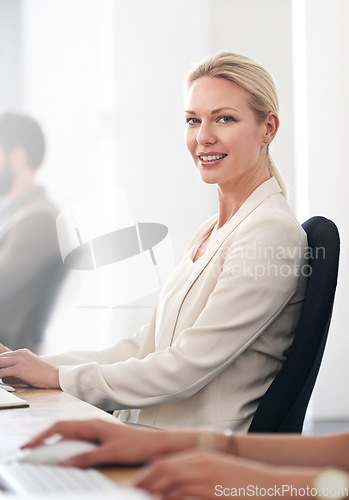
x=202, y=474
x=3, y=348
x=118, y=443
x=25, y=366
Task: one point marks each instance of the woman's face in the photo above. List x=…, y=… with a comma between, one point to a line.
x=222, y=135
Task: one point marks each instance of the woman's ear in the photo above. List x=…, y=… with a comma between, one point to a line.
x=271, y=125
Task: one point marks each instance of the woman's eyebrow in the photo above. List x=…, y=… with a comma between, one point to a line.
x=221, y=109
x=218, y=110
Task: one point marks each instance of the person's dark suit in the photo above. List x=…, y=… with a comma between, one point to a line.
x=30, y=267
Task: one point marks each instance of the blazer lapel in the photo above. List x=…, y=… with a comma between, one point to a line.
x=268, y=188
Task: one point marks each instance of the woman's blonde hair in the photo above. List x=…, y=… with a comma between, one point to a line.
x=251, y=77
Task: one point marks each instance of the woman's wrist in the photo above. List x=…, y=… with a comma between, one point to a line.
x=230, y=443
x=172, y=442
x=216, y=441
x=54, y=380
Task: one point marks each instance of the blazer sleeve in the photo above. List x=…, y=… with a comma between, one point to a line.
x=239, y=309
x=123, y=350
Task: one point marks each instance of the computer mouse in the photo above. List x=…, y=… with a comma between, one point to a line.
x=55, y=453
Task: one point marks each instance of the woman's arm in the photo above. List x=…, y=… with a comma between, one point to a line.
x=179, y=470
x=118, y=442
x=208, y=475
x=233, y=317
x=314, y=451
x=184, y=471
x=121, y=351
x=42, y=371
x=133, y=443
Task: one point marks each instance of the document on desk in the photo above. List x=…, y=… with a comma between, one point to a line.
x=8, y=400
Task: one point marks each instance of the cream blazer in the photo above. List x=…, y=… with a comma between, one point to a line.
x=219, y=333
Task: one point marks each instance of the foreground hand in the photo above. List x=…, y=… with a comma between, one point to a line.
x=25, y=366
x=3, y=348
x=200, y=474
x=119, y=443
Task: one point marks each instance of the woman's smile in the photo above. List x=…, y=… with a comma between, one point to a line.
x=211, y=158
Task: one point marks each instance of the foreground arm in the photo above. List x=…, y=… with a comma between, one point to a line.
x=208, y=475
x=118, y=442
x=143, y=443
x=182, y=471
x=287, y=449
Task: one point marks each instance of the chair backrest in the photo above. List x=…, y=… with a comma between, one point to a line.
x=283, y=407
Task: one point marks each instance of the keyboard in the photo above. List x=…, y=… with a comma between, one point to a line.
x=29, y=479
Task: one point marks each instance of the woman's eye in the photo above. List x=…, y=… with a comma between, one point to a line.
x=192, y=121
x=226, y=119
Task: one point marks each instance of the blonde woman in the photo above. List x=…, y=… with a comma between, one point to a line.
x=226, y=315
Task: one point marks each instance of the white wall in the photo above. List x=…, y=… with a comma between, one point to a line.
x=10, y=54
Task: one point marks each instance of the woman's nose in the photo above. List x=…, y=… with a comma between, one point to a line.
x=205, y=135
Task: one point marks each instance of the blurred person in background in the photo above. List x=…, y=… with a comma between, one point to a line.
x=30, y=262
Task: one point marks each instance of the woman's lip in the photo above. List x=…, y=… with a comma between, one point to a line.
x=210, y=163
x=210, y=153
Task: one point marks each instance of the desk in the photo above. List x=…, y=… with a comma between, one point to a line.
x=46, y=407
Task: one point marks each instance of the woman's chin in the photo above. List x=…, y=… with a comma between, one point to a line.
x=208, y=178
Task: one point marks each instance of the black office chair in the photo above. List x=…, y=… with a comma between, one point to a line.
x=283, y=407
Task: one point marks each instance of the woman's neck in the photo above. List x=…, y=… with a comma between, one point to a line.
x=232, y=197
